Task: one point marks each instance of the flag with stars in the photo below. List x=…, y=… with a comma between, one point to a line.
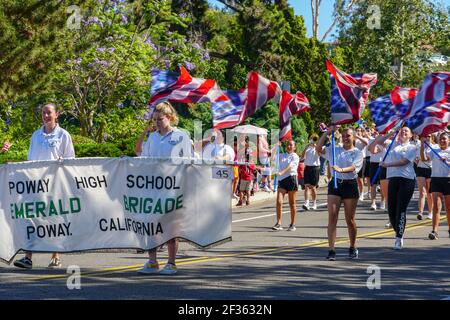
x=227, y=109
x=349, y=93
x=430, y=119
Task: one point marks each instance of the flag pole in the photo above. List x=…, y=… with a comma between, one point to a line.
x=277, y=167
x=333, y=147
x=436, y=153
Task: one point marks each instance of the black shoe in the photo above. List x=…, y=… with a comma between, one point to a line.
x=433, y=235
x=24, y=263
x=353, y=253
x=331, y=255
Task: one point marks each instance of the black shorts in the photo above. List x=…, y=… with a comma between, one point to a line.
x=347, y=189
x=383, y=173
x=289, y=184
x=441, y=185
x=301, y=183
x=423, y=172
x=361, y=172
x=312, y=175
x=373, y=170
x=415, y=168
x=366, y=167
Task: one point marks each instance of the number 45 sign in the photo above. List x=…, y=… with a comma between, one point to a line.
x=222, y=173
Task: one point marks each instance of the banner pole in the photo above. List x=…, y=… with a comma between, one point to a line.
x=436, y=153
x=333, y=147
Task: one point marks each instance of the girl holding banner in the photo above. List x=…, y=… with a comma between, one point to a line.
x=348, y=161
x=440, y=178
x=50, y=142
x=163, y=143
x=402, y=179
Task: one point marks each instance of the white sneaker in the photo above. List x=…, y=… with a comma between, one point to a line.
x=314, y=206
x=361, y=197
x=388, y=225
x=266, y=189
x=373, y=206
x=149, y=267
x=398, y=245
x=383, y=206
x=430, y=216
x=291, y=228
x=169, y=269
x=235, y=196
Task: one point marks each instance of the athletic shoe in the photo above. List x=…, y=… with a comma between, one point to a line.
x=373, y=206
x=420, y=216
x=382, y=206
x=331, y=255
x=433, y=235
x=378, y=189
x=24, y=263
x=277, y=227
x=361, y=197
x=235, y=196
x=169, y=269
x=388, y=225
x=305, y=207
x=430, y=216
x=398, y=244
x=266, y=189
x=314, y=207
x=55, y=263
x=149, y=267
x=353, y=253
x=291, y=228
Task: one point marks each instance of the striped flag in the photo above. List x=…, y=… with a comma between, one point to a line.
x=289, y=106
x=388, y=110
x=227, y=109
x=430, y=119
x=434, y=89
x=349, y=94
x=259, y=91
x=185, y=89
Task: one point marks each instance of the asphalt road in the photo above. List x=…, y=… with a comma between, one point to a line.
x=261, y=264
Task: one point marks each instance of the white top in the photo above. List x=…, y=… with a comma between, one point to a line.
x=213, y=150
x=345, y=158
x=361, y=147
x=312, y=159
x=51, y=146
x=377, y=157
x=174, y=144
x=425, y=164
x=289, y=159
x=440, y=169
x=402, y=151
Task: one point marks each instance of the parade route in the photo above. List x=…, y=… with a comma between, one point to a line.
x=260, y=264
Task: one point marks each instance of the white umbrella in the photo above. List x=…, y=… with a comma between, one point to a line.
x=249, y=129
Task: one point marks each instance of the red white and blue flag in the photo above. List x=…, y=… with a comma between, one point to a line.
x=228, y=108
x=349, y=93
x=434, y=89
x=259, y=91
x=430, y=119
x=387, y=111
x=289, y=106
x=185, y=89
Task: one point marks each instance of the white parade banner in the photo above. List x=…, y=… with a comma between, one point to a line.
x=105, y=203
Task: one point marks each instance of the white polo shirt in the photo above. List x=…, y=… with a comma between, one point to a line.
x=345, y=158
x=289, y=160
x=398, y=152
x=175, y=144
x=377, y=157
x=312, y=159
x=425, y=164
x=51, y=146
x=440, y=169
x=361, y=147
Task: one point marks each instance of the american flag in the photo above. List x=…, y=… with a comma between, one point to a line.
x=430, y=119
x=434, y=89
x=185, y=89
x=259, y=91
x=349, y=93
x=289, y=106
x=388, y=110
x=227, y=109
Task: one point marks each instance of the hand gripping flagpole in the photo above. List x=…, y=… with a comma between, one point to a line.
x=333, y=147
x=436, y=153
x=277, y=167
x=375, y=177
